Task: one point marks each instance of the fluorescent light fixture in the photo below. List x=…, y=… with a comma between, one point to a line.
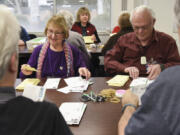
x=66, y=6
x=81, y=1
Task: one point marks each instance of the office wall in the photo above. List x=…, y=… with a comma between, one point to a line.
x=116, y=8
x=164, y=10
x=164, y=15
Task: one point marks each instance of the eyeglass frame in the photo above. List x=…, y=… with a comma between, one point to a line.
x=51, y=32
x=145, y=27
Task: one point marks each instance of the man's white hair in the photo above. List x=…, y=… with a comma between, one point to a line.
x=9, y=37
x=143, y=8
x=68, y=16
x=177, y=11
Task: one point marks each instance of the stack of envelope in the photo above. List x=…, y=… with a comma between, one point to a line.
x=32, y=81
x=118, y=80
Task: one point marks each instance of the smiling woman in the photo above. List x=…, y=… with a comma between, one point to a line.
x=56, y=58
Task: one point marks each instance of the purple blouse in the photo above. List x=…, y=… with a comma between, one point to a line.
x=54, y=64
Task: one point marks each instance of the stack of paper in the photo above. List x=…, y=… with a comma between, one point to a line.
x=72, y=111
x=52, y=83
x=88, y=39
x=118, y=80
x=36, y=93
x=138, y=86
x=141, y=81
x=75, y=84
x=27, y=81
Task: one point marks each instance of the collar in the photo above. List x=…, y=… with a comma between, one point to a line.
x=79, y=23
x=6, y=93
x=154, y=38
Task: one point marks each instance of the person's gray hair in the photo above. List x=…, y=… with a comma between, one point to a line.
x=68, y=17
x=143, y=8
x=9, y=37
x=177, y=12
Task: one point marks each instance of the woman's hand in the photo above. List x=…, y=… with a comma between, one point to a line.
x=84, y=72
x=24, y=69
x=93, y=37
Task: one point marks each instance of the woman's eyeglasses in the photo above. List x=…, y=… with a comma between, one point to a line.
x=51, y=32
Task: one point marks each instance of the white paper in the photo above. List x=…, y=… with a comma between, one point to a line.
x=138, y=86
x=77, y=84
x=52, y=83
x=36, y=93
x=64, y=90
x=72, y=111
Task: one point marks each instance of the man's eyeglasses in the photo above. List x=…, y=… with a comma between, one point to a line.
x=51, y=32
x=145, y=27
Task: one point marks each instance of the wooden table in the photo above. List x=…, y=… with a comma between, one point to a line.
x=99, y=118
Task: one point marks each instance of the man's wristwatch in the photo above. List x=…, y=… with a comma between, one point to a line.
x=124, y=107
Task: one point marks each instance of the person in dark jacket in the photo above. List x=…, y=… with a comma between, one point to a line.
x=159, y=112
x=83, y=25
x=126, y=27
x=24, y=36
x=20, y=115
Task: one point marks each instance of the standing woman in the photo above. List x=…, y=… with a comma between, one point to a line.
x=83, y=25
x=56, y=58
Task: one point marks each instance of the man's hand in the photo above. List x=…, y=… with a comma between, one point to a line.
x=133, y=72
x=153, y=71
x=130, y=98
x=84, y=72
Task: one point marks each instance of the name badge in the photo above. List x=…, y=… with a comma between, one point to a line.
x=61, y=68
x=143, y=60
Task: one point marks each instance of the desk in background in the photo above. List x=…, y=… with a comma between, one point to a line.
x=97, y=59
x=99, y=118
